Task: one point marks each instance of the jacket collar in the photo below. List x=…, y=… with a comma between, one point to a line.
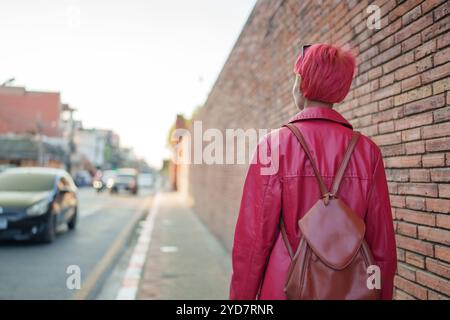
x=320, y=113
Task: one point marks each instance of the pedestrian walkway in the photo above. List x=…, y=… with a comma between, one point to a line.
x=184, y=260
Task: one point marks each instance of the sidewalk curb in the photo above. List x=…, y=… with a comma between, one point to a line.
x=100, y=268
x=130, y=284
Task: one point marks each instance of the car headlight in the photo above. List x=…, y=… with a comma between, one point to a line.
x=110, y=183
x=97, y=184
x=38, y=208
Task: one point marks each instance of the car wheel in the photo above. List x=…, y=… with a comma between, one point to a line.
x=72, y=223
x=49, y=233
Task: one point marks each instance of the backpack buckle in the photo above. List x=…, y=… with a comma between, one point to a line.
x=327, y=197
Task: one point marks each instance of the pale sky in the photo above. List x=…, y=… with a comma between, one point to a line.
x=127, y=65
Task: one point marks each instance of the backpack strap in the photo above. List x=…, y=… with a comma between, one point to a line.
x=323, y=188
x=344, y=163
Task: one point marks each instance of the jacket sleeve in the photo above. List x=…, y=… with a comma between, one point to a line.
x=380, y=229
x=256, y=227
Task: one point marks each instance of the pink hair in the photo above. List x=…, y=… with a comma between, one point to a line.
x=326, y=72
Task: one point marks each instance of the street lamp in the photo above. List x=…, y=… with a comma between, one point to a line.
x=7, y=82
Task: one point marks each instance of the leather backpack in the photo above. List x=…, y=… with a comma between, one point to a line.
x=332, y=259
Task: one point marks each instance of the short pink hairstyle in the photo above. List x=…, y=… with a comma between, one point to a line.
x=326, y=72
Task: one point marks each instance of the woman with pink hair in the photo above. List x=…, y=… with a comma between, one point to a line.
x=261, y=254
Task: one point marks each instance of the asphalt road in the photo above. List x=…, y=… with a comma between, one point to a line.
x=39, y=271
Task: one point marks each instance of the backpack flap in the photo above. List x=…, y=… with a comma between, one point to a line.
x=333, y=232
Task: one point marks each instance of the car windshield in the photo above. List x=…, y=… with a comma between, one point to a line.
x=26, y=182
x=125, y=178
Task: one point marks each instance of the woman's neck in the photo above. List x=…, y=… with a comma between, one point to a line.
x=313, y=103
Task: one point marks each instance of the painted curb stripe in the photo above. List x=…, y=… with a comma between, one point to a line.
x=133, y=274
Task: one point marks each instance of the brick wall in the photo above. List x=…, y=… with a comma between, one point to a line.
x=400, y=98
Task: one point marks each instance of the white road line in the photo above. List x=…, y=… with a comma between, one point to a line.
x=133, y=274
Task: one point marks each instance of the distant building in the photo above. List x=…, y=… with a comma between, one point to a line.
x=91, y=143
x=29, y=150
x=29, y=112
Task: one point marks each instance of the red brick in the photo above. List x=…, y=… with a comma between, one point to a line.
x=389, y=29
x=430, y=4
x=415, y=148
x=411, y=288
x=425, y=189
x=442, y=114
x=403, y=161
x=425, y=49
x=442, y=56
x=387, y=80
x=433, y=160
x=442, y=253
x=429, y=103
x=444, y=191
x=436, y=73
x=402, y=9
x=412, y=42
x=414, y=68
x=443, y=40
x=414, y=27
x=407, y=229
x=413, y=95
x=436, y=29
x=398, y=62
x=387, y=115
x=436, y=296
x=411, y=15
x=411, y=134
x=440, y=174
x=438, y=267
x=433, y=282
x=374, y=73
x=419, y=175
x=438, y=205
x=441, y=11
x=385, y=127
x=386, y=104
x=400, y=175
x=436, y=130
x=386, y=43
x=435, y=235
x=397, y=201
x=390, y=138
x=411, y=83
x=443, y=220
x=415, y=259
x=400, y=254
x=413, y=121
x=439, y=144
x=415, y=203
x=418, y=217
x=401, y=295
x=406, y=271
x=387, y=55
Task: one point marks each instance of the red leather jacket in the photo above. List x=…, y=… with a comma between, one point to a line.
x=260, y=257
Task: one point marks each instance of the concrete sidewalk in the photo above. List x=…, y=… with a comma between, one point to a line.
x=184, y=260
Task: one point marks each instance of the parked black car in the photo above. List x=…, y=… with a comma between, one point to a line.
x=35, y=201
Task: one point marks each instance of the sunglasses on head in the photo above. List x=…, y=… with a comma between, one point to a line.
x=304, y=48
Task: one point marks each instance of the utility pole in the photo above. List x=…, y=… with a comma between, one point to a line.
x=40, y=153
x=71, y=110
